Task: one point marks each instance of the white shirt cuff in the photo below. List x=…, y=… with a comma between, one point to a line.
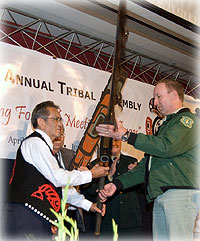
x=85, y=204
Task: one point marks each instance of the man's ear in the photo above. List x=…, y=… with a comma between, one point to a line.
x=41, y=123
x=174, y=95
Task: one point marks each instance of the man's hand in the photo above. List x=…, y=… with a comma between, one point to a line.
x=99, y=171
x=113, y=168
x=108, y=190
x=81, y=168
x=94, y=208
x=54, y=229
x=132, y=166
x=108, y=130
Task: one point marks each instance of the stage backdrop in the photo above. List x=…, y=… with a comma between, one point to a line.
x=28, y=77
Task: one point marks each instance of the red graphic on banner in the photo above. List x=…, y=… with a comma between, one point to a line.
x=149, y=126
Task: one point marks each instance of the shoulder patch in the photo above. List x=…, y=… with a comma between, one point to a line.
x=187, y=121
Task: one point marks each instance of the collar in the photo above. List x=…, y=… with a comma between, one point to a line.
x=46, y=137
x=170, y=116
x=114, y=157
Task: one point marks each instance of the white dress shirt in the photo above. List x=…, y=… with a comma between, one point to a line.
x=36, y=152
x=78, y=200
x=74, y=198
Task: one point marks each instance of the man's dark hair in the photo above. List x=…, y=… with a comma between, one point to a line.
x=41, y=111
x=174, y=85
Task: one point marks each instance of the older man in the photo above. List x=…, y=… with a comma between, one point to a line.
x=37, y=180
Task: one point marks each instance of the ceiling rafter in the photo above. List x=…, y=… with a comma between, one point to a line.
x=62, y=42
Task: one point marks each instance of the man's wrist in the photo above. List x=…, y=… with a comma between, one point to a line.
x=132, y=138
x=118, y=184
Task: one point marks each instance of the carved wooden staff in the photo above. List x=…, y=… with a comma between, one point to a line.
x=115, y=98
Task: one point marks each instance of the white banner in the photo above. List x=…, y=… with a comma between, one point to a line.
x=28, y=78
x=188, y=10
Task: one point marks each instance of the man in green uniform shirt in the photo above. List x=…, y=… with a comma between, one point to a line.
x=170, y=168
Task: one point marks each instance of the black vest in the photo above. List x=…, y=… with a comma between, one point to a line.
x=29, y=187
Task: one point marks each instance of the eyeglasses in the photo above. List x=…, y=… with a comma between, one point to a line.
x=58, y=119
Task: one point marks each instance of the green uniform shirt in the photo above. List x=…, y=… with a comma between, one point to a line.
x=175, y=155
